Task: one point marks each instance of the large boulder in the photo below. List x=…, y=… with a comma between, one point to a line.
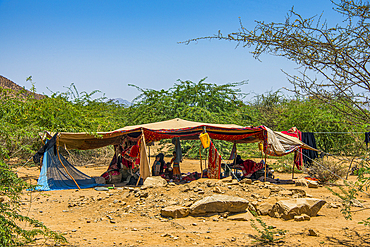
x=155, y=181
x=175, y=212
x=219, y=204
x=264, y=208
x=287, y=209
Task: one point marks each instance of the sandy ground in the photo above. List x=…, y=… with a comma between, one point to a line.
x=118, y=218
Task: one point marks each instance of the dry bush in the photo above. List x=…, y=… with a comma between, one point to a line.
x=327, y=170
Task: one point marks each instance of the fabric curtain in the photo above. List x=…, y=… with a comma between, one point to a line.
x=144, y=161
x=214, y=163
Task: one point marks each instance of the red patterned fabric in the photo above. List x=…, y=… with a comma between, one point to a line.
x=214, y=163
x=250, y=167
x=298, y=157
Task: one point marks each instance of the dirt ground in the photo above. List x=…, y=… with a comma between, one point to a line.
x=121, y=218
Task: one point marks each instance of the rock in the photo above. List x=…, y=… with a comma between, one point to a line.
x=287, y=209
x=246, y=181
x=301, y=182
x=227, y=180
x=285, y=193
x=194, y=224
x=313, y=184
x=241, y=217
x=2, y=199
x=217, y=190
x=332, y=205
x=299, y=192
x=201, y=192
x=356, y=203
x=302, y=217
x=312, y=232
x=175, y=212
x=219, y=204
x=185, y=189
x=155, y=181
x=171, y=184
x=264, y=208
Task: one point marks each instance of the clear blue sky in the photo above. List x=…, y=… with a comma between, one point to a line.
x=107, y=45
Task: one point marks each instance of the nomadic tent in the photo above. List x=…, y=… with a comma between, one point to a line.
x=274, y=143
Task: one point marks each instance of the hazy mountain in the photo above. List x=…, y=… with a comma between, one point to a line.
x=121, y=101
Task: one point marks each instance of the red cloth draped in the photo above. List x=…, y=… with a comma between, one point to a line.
x=249, y=167
x=214, y=163
x=298, y=157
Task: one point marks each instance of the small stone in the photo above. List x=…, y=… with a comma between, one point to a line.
x=194, y=224
x=285, y=193
x=74, y=230
x=65, y=211
x=302, y=217
x=115, y=201
x=201, y=192
x=313, y=184
x=133, y=229
x=301, y=182
x=312, y=232
x=217, y=190
x=40, y=212
x=332, y=205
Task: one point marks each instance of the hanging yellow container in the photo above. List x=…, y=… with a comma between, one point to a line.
x=204, y=138
x=260, y=146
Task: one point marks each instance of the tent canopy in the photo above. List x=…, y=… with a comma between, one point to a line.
x=275, y=143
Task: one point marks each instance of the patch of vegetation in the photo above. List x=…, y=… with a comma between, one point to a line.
x=267, y=234
x=17, y=229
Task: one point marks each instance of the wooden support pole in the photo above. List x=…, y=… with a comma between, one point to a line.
x=66, y=168
x=293, y=171
x=265, y=166
x=200, y=160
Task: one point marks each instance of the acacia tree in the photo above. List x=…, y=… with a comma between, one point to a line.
x=333, y=61
x=333, y=64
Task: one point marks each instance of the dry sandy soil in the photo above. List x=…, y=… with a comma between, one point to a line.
x=118, y=218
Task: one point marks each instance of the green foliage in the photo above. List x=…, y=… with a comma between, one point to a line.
x=12, y=223
x=202, y=102
x=267, y=234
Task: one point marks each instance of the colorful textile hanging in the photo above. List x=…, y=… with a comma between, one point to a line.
x=214, y=162
x=233, y=152
x=298, y=157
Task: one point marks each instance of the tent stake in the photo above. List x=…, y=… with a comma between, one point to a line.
x=293, y=171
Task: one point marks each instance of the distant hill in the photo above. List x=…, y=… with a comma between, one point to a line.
x=8, y=84
x=120, y=101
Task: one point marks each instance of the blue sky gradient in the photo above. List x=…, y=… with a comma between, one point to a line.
x=107, y=45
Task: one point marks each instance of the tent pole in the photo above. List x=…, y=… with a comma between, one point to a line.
x=200, y=160
x=293, y=171
x=265, y=166
x=66, y=168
